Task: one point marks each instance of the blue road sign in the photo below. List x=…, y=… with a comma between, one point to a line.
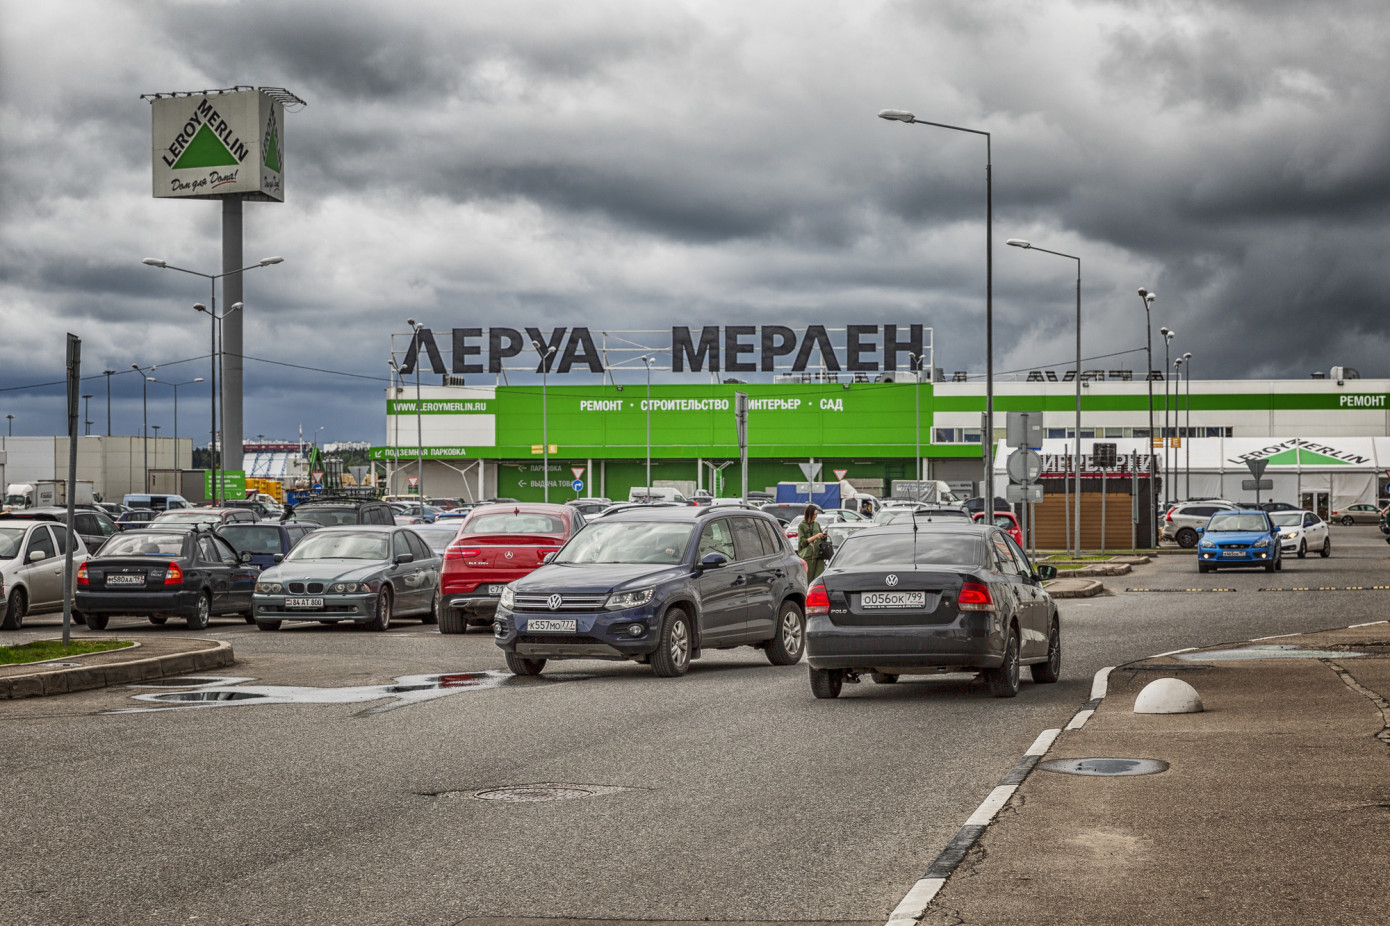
x=577, y=485
x=318, y=488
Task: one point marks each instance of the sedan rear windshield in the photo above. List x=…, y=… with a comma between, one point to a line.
x=1287, y=518
x=329, y=517
x=897, y=515
x=253, y=539
x=341, y=545
x=514, y=523
x=1237, y=522
x=145, y=543
x=930, y=548
x=654, y=542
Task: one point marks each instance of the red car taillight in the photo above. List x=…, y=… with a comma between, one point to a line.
x=974, y=596
x=174, y=575
x=542, y=553
x=1169, y=515
x=458, y=551
x=817, y=601
x=82, y=575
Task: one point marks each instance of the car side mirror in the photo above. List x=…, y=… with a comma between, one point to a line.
x=245, y=556
x=278, y=557
x=37, y=556
x=1201, y=530
x=1046, y=571
x=403, y=558
x=547, y=557
x=713, y=561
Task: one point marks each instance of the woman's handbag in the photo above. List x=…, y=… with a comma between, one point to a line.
x=826, y=550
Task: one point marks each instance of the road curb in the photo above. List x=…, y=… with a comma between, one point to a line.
x=200, y=656
x=1076, y=588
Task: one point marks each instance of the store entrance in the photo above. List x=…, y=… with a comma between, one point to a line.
x=1316, y=502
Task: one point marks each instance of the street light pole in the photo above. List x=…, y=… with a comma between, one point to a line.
x=917, y=410
x=545, y=418
x=1187, y=447
x=898, y=115
x=647, y=362
x=87, y=414
x=1168, y=335
x=9, y=420
x=1148, y=299
x=145, y=418
x=1177, y=420
x=415, y=328
x=196, y=379
x=1076, y=495
x=212, y=279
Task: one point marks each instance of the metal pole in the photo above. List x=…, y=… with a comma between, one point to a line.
x=545, y=434
x=917, y=414
x=74, y=376
x=108, y=374
x=1076, y=551
x=419, y=433
x=145, y=418
x=647, y=362
x=231, y=334
x=212, y=443
x=1187, y=447
x=1167, y=483
x=1147, y=298
x=86, y=414
x=989, y=325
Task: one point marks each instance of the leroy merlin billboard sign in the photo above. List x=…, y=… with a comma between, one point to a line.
x=209, y=145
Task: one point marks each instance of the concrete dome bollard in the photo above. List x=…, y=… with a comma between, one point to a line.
x=1168, y=696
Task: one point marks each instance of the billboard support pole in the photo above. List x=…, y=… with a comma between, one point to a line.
x=231, y=334
x=741, y=421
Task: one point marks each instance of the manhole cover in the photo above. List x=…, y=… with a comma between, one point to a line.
x=528, y=795
x=1104, y=767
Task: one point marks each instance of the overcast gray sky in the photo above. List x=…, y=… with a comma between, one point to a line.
x=634, y=164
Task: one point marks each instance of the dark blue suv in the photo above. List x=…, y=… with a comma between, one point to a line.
x=659, y=586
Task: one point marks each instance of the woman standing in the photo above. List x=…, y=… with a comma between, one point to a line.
x=808, y=543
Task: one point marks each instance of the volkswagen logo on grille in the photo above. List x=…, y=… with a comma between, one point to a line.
x=508, y=554
x=553, y=602
x=891, y=580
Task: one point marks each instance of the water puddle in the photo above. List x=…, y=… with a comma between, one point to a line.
x=1266, y=651
x=201, y=691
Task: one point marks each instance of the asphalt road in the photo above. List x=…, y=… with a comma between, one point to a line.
x=728, y=795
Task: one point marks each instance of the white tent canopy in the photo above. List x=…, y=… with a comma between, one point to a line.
x=1352, y=470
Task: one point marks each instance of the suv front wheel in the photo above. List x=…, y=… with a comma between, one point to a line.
x=1186, y=538
x=672, y=656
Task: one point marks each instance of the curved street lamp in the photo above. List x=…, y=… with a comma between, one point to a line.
x=1076, y=495
x=415, y=328
x=987, y=439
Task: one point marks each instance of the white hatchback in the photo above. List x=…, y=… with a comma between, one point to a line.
x=1302, y=531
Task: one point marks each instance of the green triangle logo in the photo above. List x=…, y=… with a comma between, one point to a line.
x=205, y=150
x=1309, y=458
x=272, y=147
x=1296, y=457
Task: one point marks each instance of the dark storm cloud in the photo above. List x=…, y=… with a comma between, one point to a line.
x=621, y=164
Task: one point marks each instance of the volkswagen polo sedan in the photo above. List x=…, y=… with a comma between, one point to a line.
x=952, y=597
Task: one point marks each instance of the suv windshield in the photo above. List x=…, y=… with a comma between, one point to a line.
x=341, y=545
x=253, y=538
x=628, y=542
x=328, y=517
x=1237, y=522
x=942, y=549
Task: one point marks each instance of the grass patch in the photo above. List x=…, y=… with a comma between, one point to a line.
x=40, y=650
x=1077, y=559
x=1063, y=567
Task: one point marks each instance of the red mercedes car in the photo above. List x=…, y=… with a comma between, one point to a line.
x=496, y=544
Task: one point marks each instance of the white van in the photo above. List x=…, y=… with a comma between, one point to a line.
x=157, y=502
x=655, y=494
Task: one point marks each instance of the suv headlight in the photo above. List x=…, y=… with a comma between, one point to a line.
x=508, y=599
x=624, y=600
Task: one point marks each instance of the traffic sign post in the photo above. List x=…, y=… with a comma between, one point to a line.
x=578, y=486
x=1257, y=469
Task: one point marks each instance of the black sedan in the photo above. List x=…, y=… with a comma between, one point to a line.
x=942, y=598
x=160, y=573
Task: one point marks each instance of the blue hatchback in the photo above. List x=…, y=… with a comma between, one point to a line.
x=1242, y=538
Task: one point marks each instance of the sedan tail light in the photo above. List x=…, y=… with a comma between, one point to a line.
x=974, y=596
x=817, y=600
x=174, y=575
x=82, y=575
x=458, y=551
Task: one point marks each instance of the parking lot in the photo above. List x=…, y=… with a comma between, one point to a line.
x=730, y=794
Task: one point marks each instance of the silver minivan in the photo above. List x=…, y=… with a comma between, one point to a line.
x=1182, y=522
